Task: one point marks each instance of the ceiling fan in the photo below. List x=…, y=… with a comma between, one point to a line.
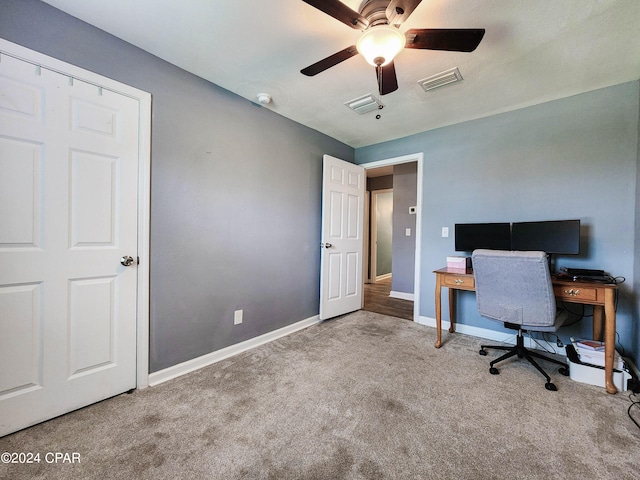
x=381, y=40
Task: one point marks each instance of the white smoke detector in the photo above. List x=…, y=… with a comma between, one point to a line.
x=264, y=98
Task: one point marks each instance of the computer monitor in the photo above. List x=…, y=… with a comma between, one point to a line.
x=470, y=236
x=561, y=237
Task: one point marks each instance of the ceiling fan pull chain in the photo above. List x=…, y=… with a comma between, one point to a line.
x=379, y=91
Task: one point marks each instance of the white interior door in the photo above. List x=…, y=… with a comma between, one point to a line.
x=343, y=192
x=68, y=214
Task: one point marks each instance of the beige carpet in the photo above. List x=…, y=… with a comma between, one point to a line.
x=364, y=396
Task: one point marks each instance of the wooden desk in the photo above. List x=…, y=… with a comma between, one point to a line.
x=600, y=295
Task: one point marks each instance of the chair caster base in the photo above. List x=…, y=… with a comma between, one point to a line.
x=494, y=371
x=483, y=353
x=564, y=371
x=550, y=386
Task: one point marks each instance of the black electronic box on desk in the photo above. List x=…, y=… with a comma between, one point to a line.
x=583, y=274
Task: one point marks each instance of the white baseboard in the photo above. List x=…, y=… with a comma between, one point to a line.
x=502, y=337
x=384, y=276
x=493, y=335
x=175, y=371
x=401, y=295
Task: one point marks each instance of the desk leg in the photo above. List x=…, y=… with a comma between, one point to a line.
x=609, y=339
x=452, y=310
x=438, y=312
x=597, y=322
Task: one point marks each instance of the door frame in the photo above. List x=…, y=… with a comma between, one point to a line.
x=419, y=158
x=366, y=255
x=144, y=183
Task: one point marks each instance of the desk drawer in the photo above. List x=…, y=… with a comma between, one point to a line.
x=461, y=281
x=569, y=293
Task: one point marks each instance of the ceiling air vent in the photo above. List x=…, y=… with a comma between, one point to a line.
x=441, y=79
x=364, y=104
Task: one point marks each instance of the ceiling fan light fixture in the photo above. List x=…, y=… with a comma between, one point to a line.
x=380, y=44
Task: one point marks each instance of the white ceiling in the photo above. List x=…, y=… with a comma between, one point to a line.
x=533, y=51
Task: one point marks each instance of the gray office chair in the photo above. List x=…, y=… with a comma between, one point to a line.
x=515, y=288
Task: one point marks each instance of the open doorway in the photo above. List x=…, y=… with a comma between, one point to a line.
x=393, y=192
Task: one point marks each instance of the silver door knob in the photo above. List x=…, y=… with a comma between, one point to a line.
x=127, y=260
x=326, y=245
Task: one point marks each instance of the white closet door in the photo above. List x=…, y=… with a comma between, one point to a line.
x=68, y=214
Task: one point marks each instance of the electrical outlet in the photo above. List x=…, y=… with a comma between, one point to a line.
x=237, y=317
x=445, y=232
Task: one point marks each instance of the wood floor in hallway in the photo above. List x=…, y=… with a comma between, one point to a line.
x=377, y=299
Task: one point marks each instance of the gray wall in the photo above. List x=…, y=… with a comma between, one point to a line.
x=379, y=183
x=222, y=195
x=405, y=193
x=571, y=158
x=235, y=208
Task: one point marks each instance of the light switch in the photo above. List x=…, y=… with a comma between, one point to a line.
x=407, y=232
x=445, y=232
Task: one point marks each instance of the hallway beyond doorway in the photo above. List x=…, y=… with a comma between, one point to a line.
x=377, y=299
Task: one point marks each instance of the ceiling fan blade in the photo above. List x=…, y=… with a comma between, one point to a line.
x=387, y=81
x=330, y=61
x=341, y=12
x=399, y=10
x=452, y=39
